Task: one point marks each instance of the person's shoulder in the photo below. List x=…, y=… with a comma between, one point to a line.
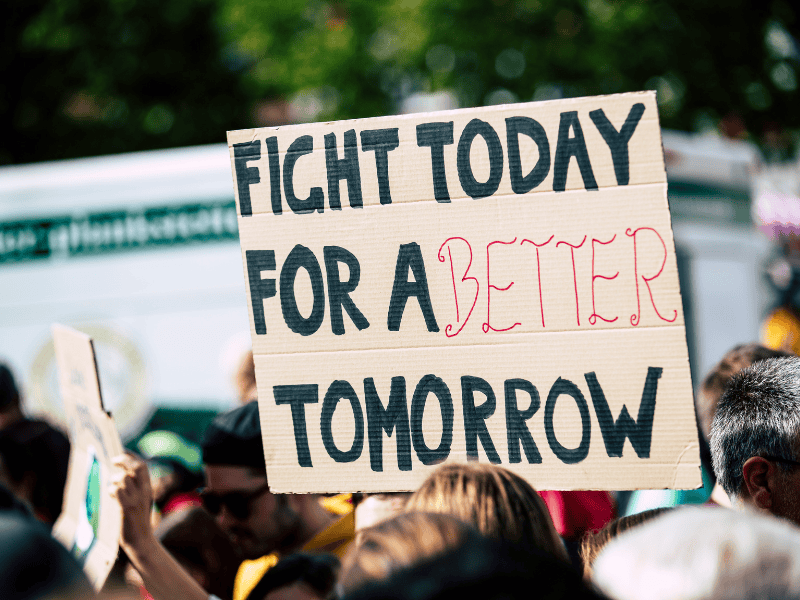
x=340, y=504
x=336, y=538
x=250, y=573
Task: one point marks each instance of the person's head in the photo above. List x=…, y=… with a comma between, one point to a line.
x=193, y=537
x=174, y=463
x=478, y=567
x=371, y=509
x=9, y=394
x=17, y=468
x=299, y=576
x=499, y=503
x=34, y=457
x=593, y=543
x=400, y=542
x=245, y=379
x=717, y=380
x=707, y=553
x=237, y=491
x=755, y=437
x=34, y=565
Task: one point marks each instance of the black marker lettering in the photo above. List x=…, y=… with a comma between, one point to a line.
x=341, y=390
x=436, y=136
x=316, y=199
x=526, y=126
x=302, y=258
x=245, y=176
x=566, y=148
x=471, y=186
x=339, y=291
x=516, y=430
x=431, y=384
x=567, y=455
x=260, y=289
x=410, y=256
x=381, y=141
x=297, y=396
x=345, y=168
x=475, y=417
x=618, y=141
x=393, y=418
x=639, y=432
x=274, y=175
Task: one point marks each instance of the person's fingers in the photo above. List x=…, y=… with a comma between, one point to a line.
x=118, y=477
x=125, y=482
x=128, y=464
x=125, y=499
x=130, y=490
x=123, y=485
x=124, y=479
x=133, y=471
x=124, y=460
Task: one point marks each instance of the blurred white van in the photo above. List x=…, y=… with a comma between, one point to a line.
x=139, y=250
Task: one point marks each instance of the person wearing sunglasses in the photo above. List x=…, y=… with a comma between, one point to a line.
x=755, y=438
x=262, y=525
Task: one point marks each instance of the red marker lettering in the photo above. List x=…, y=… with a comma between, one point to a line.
x=572, y=249
x=594, y=316
x=449, y=328
x=539, y=270
x=489, y=287
x=637, y=317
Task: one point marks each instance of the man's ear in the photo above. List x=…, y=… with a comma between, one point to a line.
x=758, y=473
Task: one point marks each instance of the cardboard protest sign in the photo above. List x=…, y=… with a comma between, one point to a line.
x=91, y=519
x=495, y=284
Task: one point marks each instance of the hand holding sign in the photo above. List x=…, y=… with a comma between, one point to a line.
x=131, y=487
x=164, y=578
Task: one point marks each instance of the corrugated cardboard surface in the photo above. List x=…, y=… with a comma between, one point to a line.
x=537, y=286
x=92, y=434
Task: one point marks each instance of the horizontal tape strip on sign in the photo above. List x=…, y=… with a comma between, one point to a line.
x=586, y=144
x=562, y=410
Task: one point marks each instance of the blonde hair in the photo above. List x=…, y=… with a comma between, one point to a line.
x=400, y=542
x=245, y=379
x=593, y=543
x=497, y=502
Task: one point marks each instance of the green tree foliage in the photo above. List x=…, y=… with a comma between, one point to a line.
x=89, y=77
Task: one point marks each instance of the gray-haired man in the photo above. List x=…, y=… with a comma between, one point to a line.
x=755, y=438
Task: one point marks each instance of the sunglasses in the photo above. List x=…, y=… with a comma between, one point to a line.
x=238, y=504
x=788, y=461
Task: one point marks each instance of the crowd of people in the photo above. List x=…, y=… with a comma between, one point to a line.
x=200, y=523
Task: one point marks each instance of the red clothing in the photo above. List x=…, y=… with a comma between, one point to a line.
x=574, y=513
x=182, y=500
